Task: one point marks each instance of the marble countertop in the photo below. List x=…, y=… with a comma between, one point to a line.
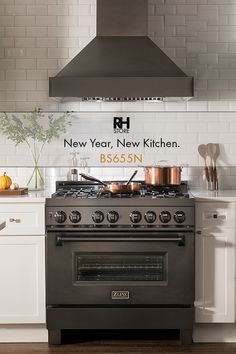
x=221, y=195
x=31, y=197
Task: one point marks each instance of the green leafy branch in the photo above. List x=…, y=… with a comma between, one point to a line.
x=34, y=128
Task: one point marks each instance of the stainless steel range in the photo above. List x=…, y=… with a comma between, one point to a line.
x=119, y=261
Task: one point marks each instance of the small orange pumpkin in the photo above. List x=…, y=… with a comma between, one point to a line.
x=5, y=181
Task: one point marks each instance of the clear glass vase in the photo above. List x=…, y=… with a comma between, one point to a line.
x=36, y=180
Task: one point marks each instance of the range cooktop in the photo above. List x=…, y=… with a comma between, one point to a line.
x=84, y=189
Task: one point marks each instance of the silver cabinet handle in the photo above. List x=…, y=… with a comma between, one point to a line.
x=14, y=220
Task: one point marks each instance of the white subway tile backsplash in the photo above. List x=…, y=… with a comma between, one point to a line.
x=58, y=10
x=218, y=106
x=25, y=42
x=25, y=85
x=6, y=85
x=86, y=20
x=193, y=47
x=219, y=48
x=208, y=37
x=15, y=74
x=165, y=10
x=6, y=42
x=42, y=85
x=208, y=58
x=187, y=9
x=47, y=2
x=176, y=20
x=23, y=2
x=78, y=32
x=46, y=63
x=198, y=35
x=197, y=106
x=67, y=20
x=57, y=32
x=227, y=36
x=36, y=31
x=14, y=10
x=58, y=53
x=7, y=20
x=23, y=21
x=14, y=31
x=227, y=95
x=46, y=42
x=16, y=96
x=227, y=73
x=36, y=74
x=36, y=53
x=46, y=20
x=80, y=10
x=207, y=12
x=175, y=42
x=6, y=64
x=37, y=10
x=37, y=96
x=25, y=63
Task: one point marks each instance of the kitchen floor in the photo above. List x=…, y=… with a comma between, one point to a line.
x=118, y=342
x=118, y=347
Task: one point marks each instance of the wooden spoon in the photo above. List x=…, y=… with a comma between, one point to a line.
x=214, y=151
x=202, y=149
x=211, y=153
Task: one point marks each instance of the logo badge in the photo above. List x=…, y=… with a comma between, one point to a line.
x=121, y=124
x=120, y=295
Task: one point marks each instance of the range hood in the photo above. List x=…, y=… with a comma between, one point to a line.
x=121, y=63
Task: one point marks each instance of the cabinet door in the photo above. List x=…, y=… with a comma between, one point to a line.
x=22, y=279
x=215, y=275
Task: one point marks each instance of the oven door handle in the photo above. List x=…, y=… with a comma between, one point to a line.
x=180, y=240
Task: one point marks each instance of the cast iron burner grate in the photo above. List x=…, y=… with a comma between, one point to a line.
x=81, y=189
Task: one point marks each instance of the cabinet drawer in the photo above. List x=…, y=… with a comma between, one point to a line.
x=23, y=219
x=215, y=214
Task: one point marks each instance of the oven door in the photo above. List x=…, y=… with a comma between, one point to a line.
x=118, y=268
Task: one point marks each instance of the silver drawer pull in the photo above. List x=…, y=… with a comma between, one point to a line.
x=14, y=220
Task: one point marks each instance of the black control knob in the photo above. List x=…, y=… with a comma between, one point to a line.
x=179, y=217
x=165, y=217
x=112, y=217
x=135, y=217
x=60, y=216
x=150, y=217
x=75, y=216
x=98, y=217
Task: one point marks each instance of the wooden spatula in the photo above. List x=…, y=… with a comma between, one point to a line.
x=202, y=149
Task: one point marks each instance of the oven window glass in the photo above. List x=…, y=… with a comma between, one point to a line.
x=120, y=267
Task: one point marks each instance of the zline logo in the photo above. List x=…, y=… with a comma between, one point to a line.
x=120, y=295
x=121, y=125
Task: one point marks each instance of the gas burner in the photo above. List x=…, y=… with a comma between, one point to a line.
x=84, y=190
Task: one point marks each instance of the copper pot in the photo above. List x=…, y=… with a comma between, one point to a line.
x=116, y=187
x=163, y=175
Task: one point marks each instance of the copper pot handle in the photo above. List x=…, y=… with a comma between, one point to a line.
x=93, y=179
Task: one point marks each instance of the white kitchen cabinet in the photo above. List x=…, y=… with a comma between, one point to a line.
x=22, y=263
x=22, y=269
x=215, y=263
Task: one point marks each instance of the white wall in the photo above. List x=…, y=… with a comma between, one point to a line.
x=38, y=37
